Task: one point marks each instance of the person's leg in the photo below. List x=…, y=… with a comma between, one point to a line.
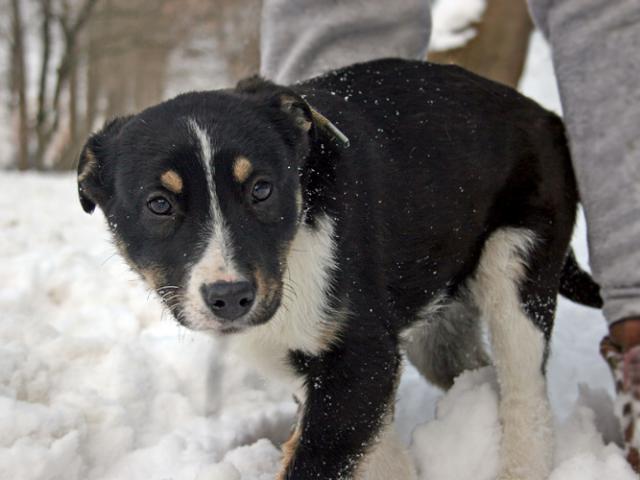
x=595, y=47
x=303, y=38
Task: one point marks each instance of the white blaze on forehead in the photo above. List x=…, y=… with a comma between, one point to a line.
x=206, y=157
x=216, y=263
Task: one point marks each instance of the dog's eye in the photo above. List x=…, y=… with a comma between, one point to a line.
x=159, y=205
x=261, y=190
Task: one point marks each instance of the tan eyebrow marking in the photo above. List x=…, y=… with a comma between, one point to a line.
x=242, y=168
x=172, y=181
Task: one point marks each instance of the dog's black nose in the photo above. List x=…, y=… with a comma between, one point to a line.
x=228, y=300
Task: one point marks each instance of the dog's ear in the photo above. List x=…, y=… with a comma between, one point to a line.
x=304, y=116
x=297, y=108
x=92, y=189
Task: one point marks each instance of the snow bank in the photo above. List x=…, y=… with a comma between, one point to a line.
x=466, y=431
x=94, y=382
x=463, y=440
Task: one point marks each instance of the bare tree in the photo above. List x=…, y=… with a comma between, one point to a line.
x=101, y=58
x=45, y=45
x=71, y=22
x=18, y=83
x=93, y=78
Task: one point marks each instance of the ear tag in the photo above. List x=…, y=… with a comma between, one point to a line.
x=324, y=123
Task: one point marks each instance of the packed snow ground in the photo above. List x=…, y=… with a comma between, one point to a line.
x=96, y=383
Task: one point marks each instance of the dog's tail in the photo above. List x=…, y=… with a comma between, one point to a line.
x=577, y=285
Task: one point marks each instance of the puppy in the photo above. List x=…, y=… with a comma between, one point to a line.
x=323, y=227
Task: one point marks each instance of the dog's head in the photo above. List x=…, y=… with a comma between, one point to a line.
x=203, y=196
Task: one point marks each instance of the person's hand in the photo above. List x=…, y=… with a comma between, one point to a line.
x=625, y=333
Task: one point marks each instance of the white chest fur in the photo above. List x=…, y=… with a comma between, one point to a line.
x=303, y=321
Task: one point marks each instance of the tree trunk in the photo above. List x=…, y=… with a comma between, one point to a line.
x=73, y=101
x=71, y=30
x=41, y=115
x=150, y=73
x=93, y=81
x=19, y=83
x=499, y=49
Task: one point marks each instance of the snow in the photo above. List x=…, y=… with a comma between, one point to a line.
x=538, y=80
x=94, y=382
x=453, y=22
x=97, y=383
x=470, y=406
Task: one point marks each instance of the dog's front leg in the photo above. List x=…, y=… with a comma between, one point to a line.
x=345, y=422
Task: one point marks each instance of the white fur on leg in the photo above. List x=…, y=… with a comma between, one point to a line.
x=518, y=352
x=387, y=459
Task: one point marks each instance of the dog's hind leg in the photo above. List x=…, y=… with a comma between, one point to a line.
x=515, y=288
x=447, y=342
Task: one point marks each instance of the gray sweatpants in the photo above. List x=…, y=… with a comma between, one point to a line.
x=596, y=54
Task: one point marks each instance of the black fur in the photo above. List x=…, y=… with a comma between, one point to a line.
x=439, y=160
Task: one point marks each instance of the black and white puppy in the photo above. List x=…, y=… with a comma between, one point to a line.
x=251, y=215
